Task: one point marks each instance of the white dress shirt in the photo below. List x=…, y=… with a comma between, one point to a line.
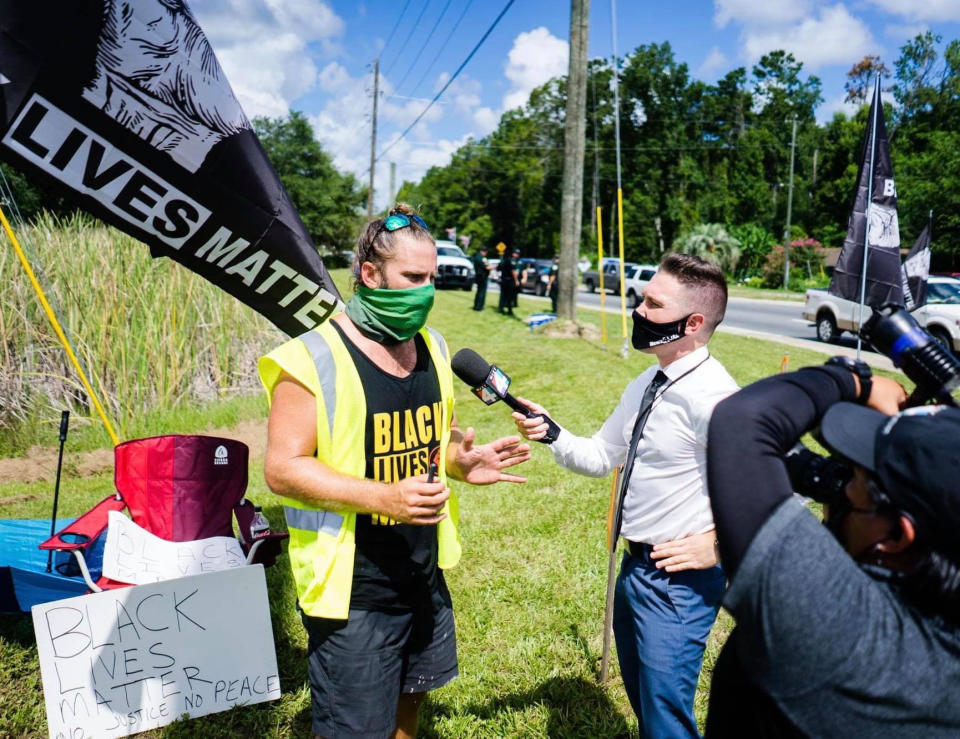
x=667, y=497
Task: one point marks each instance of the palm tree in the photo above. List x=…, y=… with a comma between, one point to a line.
x=711, y=241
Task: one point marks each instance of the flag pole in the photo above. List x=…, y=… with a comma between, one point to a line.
x=866, y=229
x=56, y=327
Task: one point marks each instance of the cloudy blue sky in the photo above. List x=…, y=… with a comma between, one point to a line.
x=317, y=57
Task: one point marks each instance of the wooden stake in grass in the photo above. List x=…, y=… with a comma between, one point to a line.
x=611, y=577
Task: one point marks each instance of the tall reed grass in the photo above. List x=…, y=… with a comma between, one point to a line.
x=150, y=334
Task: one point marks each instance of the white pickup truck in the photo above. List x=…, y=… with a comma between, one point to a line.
x=940, y=316
x=635, y=279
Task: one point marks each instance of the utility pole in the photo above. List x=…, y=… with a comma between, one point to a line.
x=616, y=134
x=373, y=136
x=571, y=205
x=595, y=198
x=393, y=184
x=786, y=230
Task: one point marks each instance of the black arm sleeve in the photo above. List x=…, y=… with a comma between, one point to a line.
x=749, y=434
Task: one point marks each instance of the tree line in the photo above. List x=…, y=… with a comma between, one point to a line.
x=694, y=153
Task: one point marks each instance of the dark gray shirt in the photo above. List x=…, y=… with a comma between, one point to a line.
x=834, y=646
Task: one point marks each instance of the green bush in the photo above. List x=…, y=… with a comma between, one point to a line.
x=755, y=245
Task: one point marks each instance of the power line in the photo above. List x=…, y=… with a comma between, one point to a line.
x=395, y=27
x=686, y=147
x=450, y=81
x=442, y=47
x=422, y=48
x=413, y=28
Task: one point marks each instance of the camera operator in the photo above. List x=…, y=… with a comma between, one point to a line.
x=850, y=629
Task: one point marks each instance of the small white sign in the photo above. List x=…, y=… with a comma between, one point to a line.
x=123, y=661
x=132, y=554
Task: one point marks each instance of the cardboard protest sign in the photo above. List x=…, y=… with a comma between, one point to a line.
x=132, y=554
x=123, y=661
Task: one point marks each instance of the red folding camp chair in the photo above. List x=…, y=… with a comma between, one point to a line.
x=180, y=488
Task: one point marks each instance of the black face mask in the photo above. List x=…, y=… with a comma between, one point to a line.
x=646, y=333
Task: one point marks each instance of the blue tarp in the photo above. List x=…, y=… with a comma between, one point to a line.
x=24, y=580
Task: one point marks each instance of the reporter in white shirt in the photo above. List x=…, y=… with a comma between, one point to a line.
x=670, y=582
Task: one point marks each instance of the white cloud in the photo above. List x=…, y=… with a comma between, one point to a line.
x=904, y=31
x=759, y=12
x=715, y=62
x=836, y=105
x=486, y=119
x=262, y=47
x=536, y=56
x=921, y=10
x=343, y=127
x=334, y=78
x=833, y=37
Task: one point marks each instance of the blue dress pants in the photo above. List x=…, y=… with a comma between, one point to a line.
x=661, y=622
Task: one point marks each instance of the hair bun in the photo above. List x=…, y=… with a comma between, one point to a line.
x=403, y=209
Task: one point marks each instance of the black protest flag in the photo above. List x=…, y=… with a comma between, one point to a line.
x=916, y=270
x=122, y=104
x=873, y=223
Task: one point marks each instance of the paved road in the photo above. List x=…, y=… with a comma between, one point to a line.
x=778, y=320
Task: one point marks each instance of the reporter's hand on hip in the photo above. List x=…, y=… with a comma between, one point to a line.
x=695, y=552
x=414, y=500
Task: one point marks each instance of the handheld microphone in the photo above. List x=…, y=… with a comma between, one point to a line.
x=490, y=383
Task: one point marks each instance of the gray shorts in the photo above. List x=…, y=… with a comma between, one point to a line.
x=358, y=668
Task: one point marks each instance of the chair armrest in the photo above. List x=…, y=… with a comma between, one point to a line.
x=262, y=548
x=265, y=548
x=85, y=530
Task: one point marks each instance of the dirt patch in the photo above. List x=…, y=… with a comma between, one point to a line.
x=40, y=464
x=251, y=433
x=17, y=499
x=563, y=329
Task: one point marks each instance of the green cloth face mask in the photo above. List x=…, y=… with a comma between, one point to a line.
x=390, y=316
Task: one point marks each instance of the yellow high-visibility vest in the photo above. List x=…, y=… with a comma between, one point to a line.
x=321, y=543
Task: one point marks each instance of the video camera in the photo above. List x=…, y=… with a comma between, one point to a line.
x=935, y=371
x=892, y=331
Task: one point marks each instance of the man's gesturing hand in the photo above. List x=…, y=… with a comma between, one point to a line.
x=484, y=464
x=414, y=500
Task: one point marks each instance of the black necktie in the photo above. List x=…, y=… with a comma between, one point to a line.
x=646, y=403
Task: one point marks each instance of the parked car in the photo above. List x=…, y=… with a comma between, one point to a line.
x=454, y=269
x=940, y=315
x=537, y=275
x=635, y=279
x=611, y=275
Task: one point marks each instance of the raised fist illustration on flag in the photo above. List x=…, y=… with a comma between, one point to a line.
x=157, y=76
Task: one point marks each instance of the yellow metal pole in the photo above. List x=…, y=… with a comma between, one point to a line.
x=603, y=315
x=56, y=326
x=623, y=295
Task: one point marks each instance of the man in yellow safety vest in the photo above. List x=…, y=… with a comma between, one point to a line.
x=361, y=442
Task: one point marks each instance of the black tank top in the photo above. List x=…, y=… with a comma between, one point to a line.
x=395, y=564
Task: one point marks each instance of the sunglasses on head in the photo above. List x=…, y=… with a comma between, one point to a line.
x=399, y=220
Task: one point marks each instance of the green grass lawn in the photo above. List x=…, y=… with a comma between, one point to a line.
x=529, y=590
x=741, y=291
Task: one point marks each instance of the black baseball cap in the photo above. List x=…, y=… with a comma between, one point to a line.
x=914, y=456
